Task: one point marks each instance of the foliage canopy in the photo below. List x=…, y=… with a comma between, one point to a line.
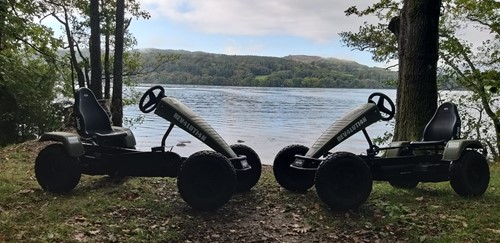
x=471, y=64
x=28, y=72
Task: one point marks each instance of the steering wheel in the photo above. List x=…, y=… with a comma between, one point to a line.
x=387, y=111
x=149, y=100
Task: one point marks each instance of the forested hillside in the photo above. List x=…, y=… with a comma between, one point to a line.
x=290, y=71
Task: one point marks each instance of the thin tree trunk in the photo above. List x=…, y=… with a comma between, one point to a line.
x=109, y=18
x=71, y=43
x=116, y=102
x=95, y=50
x=107, y=71
x=418, y=55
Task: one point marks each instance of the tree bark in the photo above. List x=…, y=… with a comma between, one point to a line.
x=107, y=71
x=116, y=102
x=418, y=43
x=95, y=50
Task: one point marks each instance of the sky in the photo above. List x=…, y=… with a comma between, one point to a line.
x=252, y=27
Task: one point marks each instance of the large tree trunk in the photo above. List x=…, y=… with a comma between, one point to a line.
x=418, y=55
x=116, y=103
x=95, y=50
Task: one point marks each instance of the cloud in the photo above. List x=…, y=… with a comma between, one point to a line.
x=317, y=20
x=234, y=47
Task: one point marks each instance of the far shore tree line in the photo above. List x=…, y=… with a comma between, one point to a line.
x=428, y=38
x=199, y=68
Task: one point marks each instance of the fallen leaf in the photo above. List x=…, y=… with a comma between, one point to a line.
x=317, y=206
x=79, y=237
x=80, y=219
x=423, y=238
x=26, y=191
x=302, y=230
x=494, y=230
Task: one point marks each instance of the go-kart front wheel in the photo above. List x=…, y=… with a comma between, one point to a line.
x=343, y=181
x=206, y=180
x=470, y=174
x=55, y=170
x=248, y=178
x=289, y=178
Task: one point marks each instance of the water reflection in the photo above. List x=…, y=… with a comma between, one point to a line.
x=266, y=119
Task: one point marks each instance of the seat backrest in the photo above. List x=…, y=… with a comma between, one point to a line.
x=90, y=117
x=444, y=125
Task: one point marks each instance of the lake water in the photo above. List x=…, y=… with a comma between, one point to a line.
x=266, y=119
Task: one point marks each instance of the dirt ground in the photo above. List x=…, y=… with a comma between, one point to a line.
x=269, y=213
x=266, y=213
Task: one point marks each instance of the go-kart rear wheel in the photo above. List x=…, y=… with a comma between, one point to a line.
x=206, y=180
x=470, y=174
x=343, y=181
x=289, y=178
x=248, y=178
x=402, y=183
x=55, y=170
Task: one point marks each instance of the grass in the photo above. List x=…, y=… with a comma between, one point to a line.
x=150, y=210
x=261, y=77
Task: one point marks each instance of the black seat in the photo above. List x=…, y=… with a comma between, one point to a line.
x=443, y=126
x=91, y=119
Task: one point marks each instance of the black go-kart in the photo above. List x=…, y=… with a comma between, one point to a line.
x=344, y=180
x=206, y=180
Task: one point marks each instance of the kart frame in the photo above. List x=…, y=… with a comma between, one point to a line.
x=102, y=149
x=344, y=180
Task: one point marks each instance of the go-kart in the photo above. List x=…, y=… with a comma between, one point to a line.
x=344, y=180
x=206, y=180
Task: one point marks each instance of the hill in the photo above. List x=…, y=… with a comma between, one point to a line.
x=291, y=71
